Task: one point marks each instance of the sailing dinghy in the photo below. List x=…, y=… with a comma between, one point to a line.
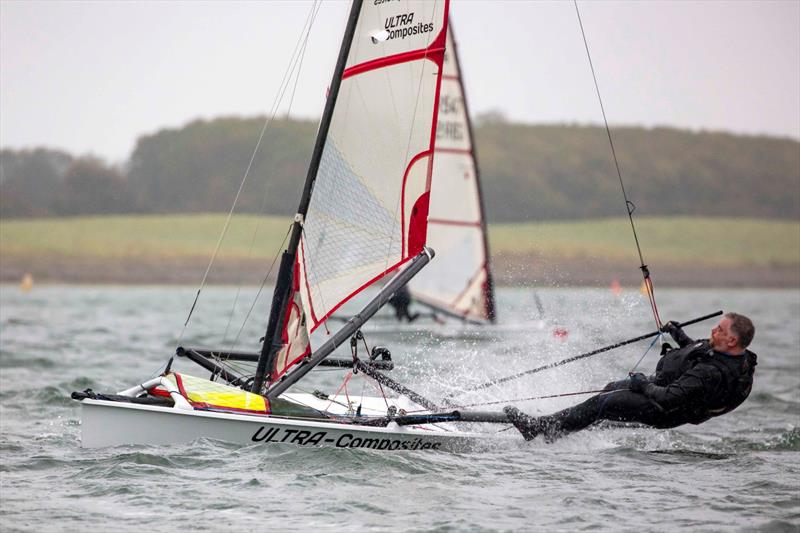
x=363, y=217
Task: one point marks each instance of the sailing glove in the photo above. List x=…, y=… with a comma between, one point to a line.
x=671, y=327
x=616, y=385
x=638, y=382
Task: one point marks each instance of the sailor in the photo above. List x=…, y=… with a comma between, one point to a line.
x=400, y=300
x=694, y=382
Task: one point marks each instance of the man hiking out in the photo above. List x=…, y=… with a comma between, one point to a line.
x=695, y=382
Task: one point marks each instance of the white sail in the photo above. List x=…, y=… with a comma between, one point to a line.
x=369, y=208
x=459, y=281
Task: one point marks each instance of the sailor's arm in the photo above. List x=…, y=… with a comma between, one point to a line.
x=674, y=329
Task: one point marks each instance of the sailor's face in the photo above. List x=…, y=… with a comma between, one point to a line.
x=722, y=338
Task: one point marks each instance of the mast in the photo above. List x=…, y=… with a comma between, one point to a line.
x=490, y=307
x=280, y=296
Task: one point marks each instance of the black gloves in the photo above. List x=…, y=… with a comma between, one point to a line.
x=675, y=331
x=638, y=382
x=671, y=327
x=616, y=385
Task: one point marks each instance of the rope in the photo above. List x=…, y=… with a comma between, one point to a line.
x=656, y=339
x=346, y=394
x=284, y=85
x=629, y=206
x=296, y=62
x=514, y=400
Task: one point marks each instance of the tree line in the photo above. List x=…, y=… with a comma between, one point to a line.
x=529, y=172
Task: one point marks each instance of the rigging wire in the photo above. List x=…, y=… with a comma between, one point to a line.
x=296, y=63
x=563, y=394
x=314, y=12
x=375, y=383
x=279, y=97
x=656, y=339
x=629, y=206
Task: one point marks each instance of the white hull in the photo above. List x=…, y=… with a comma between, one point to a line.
x=107, y=423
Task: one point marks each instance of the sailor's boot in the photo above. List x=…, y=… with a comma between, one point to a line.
x=529, y=426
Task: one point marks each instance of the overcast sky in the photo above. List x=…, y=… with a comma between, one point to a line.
x=91, y=77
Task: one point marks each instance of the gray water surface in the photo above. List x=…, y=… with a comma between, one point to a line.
x=739, y=472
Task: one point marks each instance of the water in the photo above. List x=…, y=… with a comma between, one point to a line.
x=734, y=473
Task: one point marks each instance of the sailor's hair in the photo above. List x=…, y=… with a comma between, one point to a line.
x=742, y=327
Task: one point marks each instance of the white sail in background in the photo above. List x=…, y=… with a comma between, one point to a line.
x=369, y=208
x=459, y=281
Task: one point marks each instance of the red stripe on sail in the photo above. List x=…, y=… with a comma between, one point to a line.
x=403, y=199
x=418, y=224
x=423, y=203
x=361, y=288
x=437, y=56
x=424, y=53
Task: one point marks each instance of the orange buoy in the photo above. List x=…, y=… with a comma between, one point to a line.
x=27, y=282
x=616, y=288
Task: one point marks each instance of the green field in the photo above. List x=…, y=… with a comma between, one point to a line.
x=722, y=241
x=730, y=242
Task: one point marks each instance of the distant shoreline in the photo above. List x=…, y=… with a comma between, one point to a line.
x=509, y=270
x=176, y=249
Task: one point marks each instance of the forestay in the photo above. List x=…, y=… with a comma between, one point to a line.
x=368, y=212
x=459, y=281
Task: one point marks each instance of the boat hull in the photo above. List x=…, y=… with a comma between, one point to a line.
x=108, y=423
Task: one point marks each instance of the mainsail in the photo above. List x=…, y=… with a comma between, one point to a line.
x=366, y=209
x=460, y=281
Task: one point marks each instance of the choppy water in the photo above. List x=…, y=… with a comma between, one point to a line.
x=740, y=472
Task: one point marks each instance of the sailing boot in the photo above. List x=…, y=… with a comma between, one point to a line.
x=529, y=426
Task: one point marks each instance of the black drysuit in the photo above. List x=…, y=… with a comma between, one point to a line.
x=692, y=384
x=401, y=300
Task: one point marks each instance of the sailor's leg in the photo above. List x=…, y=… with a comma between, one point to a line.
x=619, y=405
